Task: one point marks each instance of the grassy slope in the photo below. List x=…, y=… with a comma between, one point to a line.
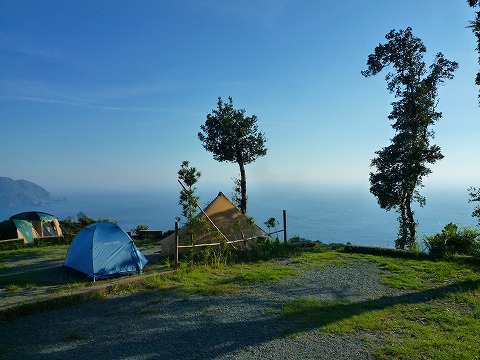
x=438, y=316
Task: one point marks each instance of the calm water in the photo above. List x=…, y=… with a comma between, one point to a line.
x=349, y=216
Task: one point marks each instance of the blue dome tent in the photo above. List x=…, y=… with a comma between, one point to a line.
x=103, y=249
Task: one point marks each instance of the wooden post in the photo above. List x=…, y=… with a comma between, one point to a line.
x=285, y=226
x=176, y=243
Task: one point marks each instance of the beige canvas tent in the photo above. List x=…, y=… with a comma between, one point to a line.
x=14, y=229
x=45, y=225
x=226, y=217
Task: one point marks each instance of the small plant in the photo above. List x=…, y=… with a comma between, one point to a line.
x=168, y=263
x=139, y=228
x=452, y=241
x=12, y=289
x=188, y=177
x=75, y=336
x=272, y=224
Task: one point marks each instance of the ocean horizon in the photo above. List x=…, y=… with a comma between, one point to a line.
x=328, y=216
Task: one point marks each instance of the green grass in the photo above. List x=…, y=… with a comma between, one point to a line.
x=205, y=280
x=438, y=318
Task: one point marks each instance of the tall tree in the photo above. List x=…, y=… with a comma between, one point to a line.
x=475, y=26
x=233, y=137
x=401, y=166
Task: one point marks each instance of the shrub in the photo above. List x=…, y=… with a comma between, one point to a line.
x=452, y=241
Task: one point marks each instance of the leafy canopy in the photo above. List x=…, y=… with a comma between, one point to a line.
x=231, y=136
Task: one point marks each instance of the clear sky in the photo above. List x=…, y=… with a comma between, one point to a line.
x=111, y=94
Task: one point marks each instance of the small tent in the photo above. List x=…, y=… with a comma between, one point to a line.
x=103, y=249
x=17, y=229
x=226, y=217
x=44, y=224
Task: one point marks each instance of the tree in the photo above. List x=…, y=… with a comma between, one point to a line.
x=233, y=137
x=474, y=194
x=189, y=176
x=475, y=26
x=401, y=166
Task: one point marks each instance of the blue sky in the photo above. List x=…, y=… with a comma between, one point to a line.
x=111, y=94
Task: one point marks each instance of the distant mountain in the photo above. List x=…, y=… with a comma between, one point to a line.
x=22, y=192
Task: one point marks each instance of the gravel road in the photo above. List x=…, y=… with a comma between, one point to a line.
x=160, y=325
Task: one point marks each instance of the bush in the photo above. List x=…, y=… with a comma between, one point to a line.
x=452, y=241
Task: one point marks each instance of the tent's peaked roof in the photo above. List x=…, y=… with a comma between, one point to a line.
x=33, y=215
x=224, y=215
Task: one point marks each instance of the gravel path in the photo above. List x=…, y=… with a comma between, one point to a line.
x=158, y=325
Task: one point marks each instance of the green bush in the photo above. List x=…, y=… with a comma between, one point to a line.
x=453, y=241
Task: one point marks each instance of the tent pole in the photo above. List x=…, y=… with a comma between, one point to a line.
x=176, y=243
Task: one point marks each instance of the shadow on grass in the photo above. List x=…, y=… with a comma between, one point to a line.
x=39, y=276
x=307, y=313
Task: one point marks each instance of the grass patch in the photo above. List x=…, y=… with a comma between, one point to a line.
x=205, y=280
x=439, y=318
x=75, y=336
x=412, y=274
x=319, y=257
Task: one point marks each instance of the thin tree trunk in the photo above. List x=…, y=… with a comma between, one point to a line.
x=400, y=243
x=243, y=185
x=243, y=179
x=411, y=223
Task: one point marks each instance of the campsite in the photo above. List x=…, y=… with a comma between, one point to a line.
x=221, y=287
x=298, y=301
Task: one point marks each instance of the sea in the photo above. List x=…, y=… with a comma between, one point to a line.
x=330, y=216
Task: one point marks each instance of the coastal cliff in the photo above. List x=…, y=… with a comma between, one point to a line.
x=22, y=192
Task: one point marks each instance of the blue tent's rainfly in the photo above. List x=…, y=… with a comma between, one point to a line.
x=103, y=249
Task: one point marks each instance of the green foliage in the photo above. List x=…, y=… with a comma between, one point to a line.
x=71, y=226
x=217, y=256
x=475, y=26
x=139, y=227
x=453, y=241
x=188, y=177
x=401, y=166
x=237, y=193
x=474, y=194
x=272, y=224
x=266, y=249
x=233, y=137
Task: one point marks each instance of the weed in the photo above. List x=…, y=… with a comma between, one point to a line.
x=12, y=289
x=147, y=311
x=75, y=336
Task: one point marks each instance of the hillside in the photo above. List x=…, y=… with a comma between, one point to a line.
x=22, y=192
